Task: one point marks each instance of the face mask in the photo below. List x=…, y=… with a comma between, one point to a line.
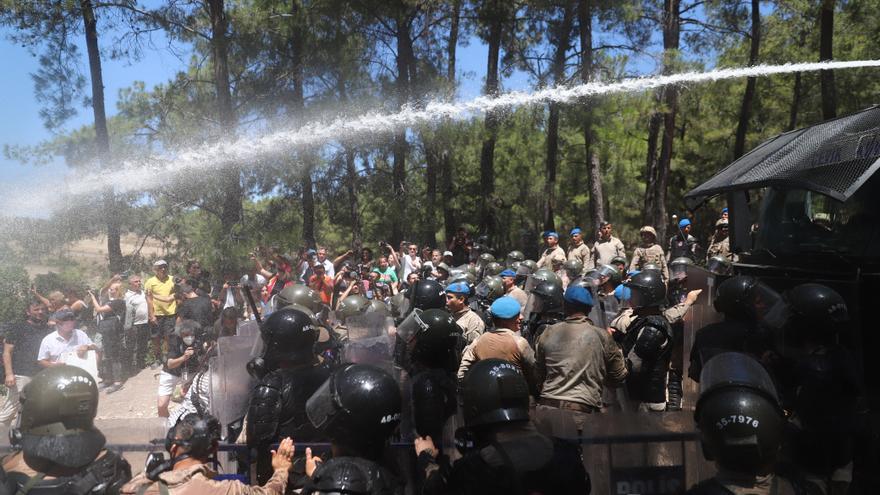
x=189, y=340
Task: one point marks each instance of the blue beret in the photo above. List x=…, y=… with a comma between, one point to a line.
x=574, y=231
x=578, y=295
x=508, y=273
x=550, y=233
x=724, y=210
x=622, y=293
x=505, y=308
x=458, y=288
x=683, y=223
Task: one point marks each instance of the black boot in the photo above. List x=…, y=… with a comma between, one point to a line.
x=674, y=392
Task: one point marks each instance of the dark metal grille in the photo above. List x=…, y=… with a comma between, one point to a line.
x=832, y=158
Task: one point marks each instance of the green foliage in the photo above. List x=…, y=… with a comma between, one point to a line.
x=14, y=286
x=349, y=51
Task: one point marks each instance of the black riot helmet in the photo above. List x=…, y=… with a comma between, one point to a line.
x=494, y=391
x=352, y=306
x=58, y=408
x=427, y=294
x=738, y=414
x=816, y=306
x=609, y=275
x=436, y=343
x=647, y=289
x=342, y=476
x=747, y=299
x=515, y=257
x=546, y=297
x=719, y=265
x=678, y=268
x=357, y=402
x=289, y=334
x=196, y=434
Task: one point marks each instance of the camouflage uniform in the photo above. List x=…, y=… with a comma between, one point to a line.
x=582, y=253
x=605, y=250
x=550, y=255
x=651, y=254
x=719, y=248
x=471, y=324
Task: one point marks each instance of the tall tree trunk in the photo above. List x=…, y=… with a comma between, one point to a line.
x=296, y=45
x=405, y=67
x=429, y=228
x=594, y=171
x=487, y=152
x=445, y=158
x=656, y=188
x=651, y=162
x=745, y=112
x=563, y=40
x=231, y=209
x=102, y=135
x=795, y=102
x=354, y=207
x=826, y=43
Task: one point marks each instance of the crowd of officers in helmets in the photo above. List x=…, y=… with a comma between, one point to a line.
x=476, y=357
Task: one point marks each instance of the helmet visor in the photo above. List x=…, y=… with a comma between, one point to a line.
x=678, y=271
x=321, y=406
x=718, y=266
x=534, y=304
x=736, y=369
x=482, y=291
x=412, y=325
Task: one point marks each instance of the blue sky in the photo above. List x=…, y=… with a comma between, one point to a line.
x=21, y=124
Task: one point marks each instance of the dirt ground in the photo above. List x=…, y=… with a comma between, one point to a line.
x=135, y=400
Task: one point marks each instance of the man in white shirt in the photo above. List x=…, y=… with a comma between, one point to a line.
x=137, y=325
x=411, y=261
x=66, y=339
x=329, y=269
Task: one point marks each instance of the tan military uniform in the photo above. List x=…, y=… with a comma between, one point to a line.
x=197, y=480
x=556, y=254
x=673, y=314
x=520, y=296
x=471, y=324
x=574, y=359
x=605, y=251
x=582, y=253
x=651, y=254
x=719, y=248
x=503, y=344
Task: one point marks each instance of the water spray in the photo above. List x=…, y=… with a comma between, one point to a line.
x=151, y=172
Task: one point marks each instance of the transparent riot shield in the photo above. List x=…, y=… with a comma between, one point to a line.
x=230, y=383
x=370, y=341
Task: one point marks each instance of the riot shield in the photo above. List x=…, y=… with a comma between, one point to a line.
x=370, y=341
x=230, y=384
x=605, y=309
x=368, y=325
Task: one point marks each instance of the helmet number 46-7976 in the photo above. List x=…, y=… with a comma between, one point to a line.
x=736, y=419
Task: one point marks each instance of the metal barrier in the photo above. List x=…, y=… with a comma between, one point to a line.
x=644, y=463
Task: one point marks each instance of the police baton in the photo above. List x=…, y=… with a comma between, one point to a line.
x=250, y=298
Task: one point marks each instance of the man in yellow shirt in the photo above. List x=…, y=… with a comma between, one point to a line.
x=161, y=307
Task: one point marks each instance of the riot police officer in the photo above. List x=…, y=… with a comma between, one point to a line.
x=348, y=475
x=427, y=294
x=358, y=409
x=683, y=244
x=821, y=385
x=646, y=341
x=192, y=442
x=741, y=428
x=677, y=294
x=61, y=450
x=489, y=289
x=743, y=300
x=502, y=452
x=543, y=308
x=433, y=342
x=277, y=405
x=349, y=307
